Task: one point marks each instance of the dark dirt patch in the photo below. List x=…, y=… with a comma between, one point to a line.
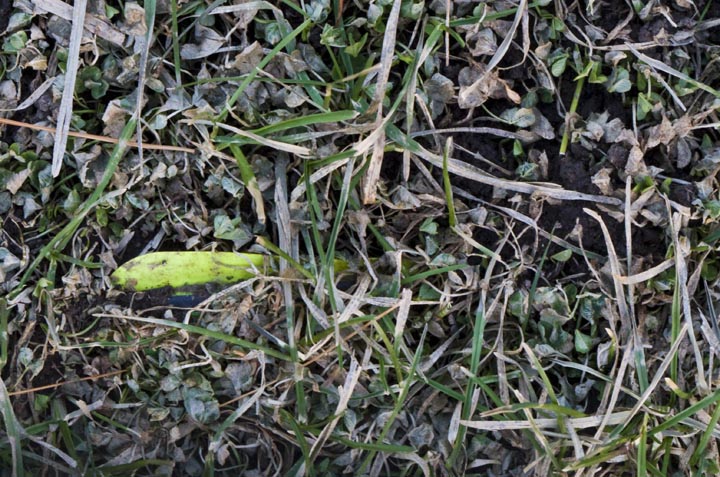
x=573, y=172
x=5, y=9
x=683, y=194
x=596, y=99
x=53, y=372
x=140, y=301
x=12, y=227
x=79, y=309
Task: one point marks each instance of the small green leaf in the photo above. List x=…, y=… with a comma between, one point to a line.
x=15, y=42
x=528, y=171
x=619, y=82
x=596, y=75
x=411, y=10
x=709, y=271
x=585, y=71
x=111, y=11
x=583, y=342
x=332, y=36
x=563, y=256
x=557, y=68
x=318, y=10
x=273, y=33
x=518, y=304
x=520, y=117
x=557, y=24
x=200, y=404
x=429, y=226
x=41, y=402
x=518, y=150
x=355, y=48
x=72, y=202
x=137, y=201
x=428, y=293
x=712, y=208
x=232, y=229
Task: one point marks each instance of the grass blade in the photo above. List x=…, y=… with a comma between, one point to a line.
x=14, y=431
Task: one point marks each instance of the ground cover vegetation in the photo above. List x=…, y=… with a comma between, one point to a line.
x=484, y=237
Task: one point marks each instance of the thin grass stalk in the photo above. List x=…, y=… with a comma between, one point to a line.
x=573, y=107
x=251, y=184
x=400, y=402
x=705, y=438
x=285, y=256
x=476, y=354
x=642, y=449
x=176, y=46
x=13, y=430
x=286, y=241
x=452, y=218
x=391, y=350
x=675, y=325
x=4, y=313
x=201, y=331
x=328, y=268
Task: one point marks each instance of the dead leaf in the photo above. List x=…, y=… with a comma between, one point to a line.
x=635, y=165
x=134, y=20
x=663, y=133
x=114, y=118
x=248, y=59
x=440, y=88
x=601, y=179
x=542, y=126
x=482, y=42
x=209, y=41
x=684, y=154
x=474, y=93
x=15, y=182
x=683, y=125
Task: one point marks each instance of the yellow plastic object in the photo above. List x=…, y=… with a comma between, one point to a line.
x=181, y=269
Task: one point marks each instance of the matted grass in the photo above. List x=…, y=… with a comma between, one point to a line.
x=490, y=230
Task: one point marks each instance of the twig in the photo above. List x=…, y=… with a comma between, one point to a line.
x=95, y=137
x=57, y=385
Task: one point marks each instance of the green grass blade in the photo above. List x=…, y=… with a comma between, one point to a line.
x=400, y=402
x=705, y=438
x=430, y=273
x=714, y=398
x=372, y=446
x=281, y=253
x=300, y=441
x=642, y=449
x=250, y=181
x=467, y=407
x=13, y=431
x=309, y=120
x=4, y=313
